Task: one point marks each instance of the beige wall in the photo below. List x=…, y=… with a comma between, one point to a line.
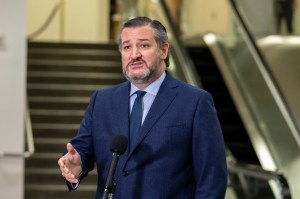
x=84, y=21
x=202, y=16
x=88, y=21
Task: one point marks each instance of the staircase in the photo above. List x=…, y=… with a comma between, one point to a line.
x=60, y=80
x=234, y=132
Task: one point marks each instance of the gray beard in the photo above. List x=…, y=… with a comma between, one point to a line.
x=145, y=77
x=139, y=80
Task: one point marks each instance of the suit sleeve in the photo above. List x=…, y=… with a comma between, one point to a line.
x=83, y=143
x=209, y=155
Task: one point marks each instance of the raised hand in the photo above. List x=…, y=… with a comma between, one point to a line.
x=70, y=164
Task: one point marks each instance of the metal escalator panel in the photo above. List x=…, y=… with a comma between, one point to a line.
x=282, y=54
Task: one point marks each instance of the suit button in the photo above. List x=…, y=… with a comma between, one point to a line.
x=125, y=173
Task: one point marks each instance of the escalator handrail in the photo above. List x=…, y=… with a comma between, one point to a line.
x=258, y=172
x=182, y=56
x=267, y=74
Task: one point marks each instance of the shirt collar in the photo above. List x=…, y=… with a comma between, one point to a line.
x=152, y=88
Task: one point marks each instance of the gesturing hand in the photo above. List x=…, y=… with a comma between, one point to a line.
x=70, y=164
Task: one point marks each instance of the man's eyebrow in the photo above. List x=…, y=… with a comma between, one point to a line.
x=124, y=42
x=128, y=41
x=144, y=39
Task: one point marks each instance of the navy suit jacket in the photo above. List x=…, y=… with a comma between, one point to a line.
x=179, y=152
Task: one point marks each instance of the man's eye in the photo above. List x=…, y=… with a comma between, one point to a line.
x=145, y=46
x=126, y=48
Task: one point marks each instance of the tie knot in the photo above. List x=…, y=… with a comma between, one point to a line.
x=140, y=94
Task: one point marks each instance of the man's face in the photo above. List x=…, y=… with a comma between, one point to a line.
x=142, y=60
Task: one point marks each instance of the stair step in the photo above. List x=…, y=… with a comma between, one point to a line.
x=59, y=119
x=85, y=69
x=54, y=130
x=75, y=75
x=37, y=191
x=58, y=134
x=65, y=46
x=53, y=141
x=59, y=93
x=54, y=126
x=47, y=160
x=46, y=112
x=74, y=63
x=61, y=90
x=59, y=99
x=38, y=187
x=52, y=176
x=64, y=87
x=72, y=51
x=56, y=116
x=54, y=145
x=58, y=105
x=60, y=78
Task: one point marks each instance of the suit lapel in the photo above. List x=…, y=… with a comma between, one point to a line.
x=121, y=109
x=165, y=96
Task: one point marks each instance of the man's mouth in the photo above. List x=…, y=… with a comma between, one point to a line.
x=136, y=63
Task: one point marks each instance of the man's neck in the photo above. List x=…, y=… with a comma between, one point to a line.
x=142, y=86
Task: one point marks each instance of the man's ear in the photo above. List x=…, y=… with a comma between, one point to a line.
x=164, y=51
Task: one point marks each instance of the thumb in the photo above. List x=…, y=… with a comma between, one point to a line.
x=71, y=149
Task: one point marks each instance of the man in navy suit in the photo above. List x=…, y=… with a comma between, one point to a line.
x=179, y=151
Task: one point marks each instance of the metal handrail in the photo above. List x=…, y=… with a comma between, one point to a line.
x=45, y=25
x=29, y=133
x=182, y=56
x=29, y=139
x=258, y=172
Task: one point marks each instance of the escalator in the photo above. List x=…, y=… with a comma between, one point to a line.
x=262, y=104
x=240, y=85
x=234, y=132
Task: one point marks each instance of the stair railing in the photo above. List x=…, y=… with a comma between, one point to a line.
x=29, y=139
x=29, y=134
x=45, y=25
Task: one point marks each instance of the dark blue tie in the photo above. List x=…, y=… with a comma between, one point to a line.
x=136, y=117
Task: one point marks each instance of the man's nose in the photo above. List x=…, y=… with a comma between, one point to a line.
x=135, y=53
